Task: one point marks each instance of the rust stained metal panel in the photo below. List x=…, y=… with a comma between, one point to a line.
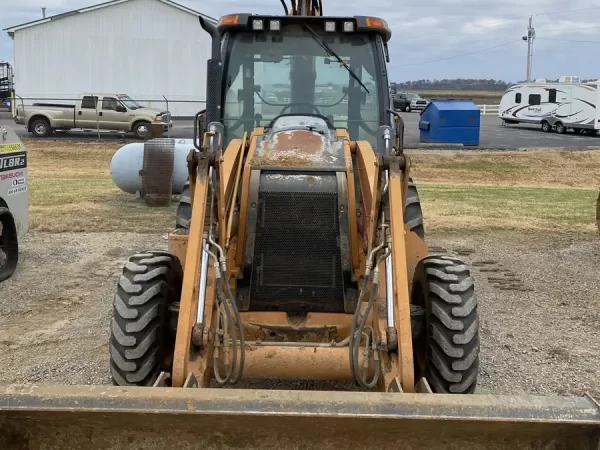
x=299, y=149
x=157, y=172
x=103, y=417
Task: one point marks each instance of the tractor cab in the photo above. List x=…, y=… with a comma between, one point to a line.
x=272, y=66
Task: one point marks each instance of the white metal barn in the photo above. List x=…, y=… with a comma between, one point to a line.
x=144, y=48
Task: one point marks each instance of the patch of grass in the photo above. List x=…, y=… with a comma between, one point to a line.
x=71, y=190
x=112, y=211
x=549, y=168
x=468, y=207
x=58, y=191
x=482, y=166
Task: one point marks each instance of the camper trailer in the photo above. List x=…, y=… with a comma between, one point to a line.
x=565, y=105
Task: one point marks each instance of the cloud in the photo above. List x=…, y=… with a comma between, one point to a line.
x=431, y=38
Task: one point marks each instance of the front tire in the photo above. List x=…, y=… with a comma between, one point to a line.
x=141, y=130
x=142, y=338
x=407, y=108
x=447, y=352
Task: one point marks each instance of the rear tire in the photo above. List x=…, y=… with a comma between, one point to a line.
x=40, y=128
x=447, y=353
x=184, y=209
x=413, y=214
x=560, y=128
x=546, y=127
x=142, y=335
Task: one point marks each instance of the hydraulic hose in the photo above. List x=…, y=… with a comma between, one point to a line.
x=223, y=301
x=355, y=324
x=360, y=378
x=226, y=295
x=238, y=319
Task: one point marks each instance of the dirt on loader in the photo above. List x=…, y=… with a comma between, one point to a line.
x=538, y=299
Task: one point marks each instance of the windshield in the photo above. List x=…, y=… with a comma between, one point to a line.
x=129, y=102
x=413, y=96
x=269, y=74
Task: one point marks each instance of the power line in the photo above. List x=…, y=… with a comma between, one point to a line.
x=568, y=40
x=570, y=29
x=458, y=56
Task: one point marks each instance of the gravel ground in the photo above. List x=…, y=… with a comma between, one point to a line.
x=538, y=295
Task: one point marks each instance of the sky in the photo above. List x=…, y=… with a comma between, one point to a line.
x=432, y=39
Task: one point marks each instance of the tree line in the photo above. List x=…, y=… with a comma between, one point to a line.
x=462, y=84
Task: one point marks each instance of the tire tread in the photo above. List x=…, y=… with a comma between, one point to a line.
x=138, y=339
x=453, y=350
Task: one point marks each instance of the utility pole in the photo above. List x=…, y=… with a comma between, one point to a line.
x=529, y=38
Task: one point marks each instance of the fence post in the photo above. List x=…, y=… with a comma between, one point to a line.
x=484, y=108
x=97, y=118
x=169, y=115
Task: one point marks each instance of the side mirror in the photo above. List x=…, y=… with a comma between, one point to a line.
x=121, y=109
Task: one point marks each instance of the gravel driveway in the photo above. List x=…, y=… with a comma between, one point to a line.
x=539, y=300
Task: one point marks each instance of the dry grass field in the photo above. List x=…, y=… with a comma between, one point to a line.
x=71, y=190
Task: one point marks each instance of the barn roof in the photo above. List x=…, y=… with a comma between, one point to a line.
x=12, y=29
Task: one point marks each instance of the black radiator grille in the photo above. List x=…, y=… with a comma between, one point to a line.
x=297, y=263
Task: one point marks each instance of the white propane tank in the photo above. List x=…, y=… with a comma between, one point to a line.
x=127, y=162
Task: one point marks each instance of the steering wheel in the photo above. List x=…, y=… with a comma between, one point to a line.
x=285, y=108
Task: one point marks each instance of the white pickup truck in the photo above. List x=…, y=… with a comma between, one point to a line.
x=114, y=112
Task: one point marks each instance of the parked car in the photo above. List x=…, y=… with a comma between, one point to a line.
x=407, y=102
x=115, y=112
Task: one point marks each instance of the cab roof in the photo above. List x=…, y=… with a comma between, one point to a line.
x=347, y=25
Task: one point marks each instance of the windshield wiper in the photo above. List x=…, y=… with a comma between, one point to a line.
x=330, y=52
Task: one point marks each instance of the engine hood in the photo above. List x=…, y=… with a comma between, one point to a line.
x=299, y=142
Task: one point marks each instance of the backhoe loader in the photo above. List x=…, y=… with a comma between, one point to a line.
x=298, y=254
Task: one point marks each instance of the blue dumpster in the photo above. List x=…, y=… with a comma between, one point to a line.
x=450, y=122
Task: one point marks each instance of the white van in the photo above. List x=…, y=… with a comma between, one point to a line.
x=553, y=105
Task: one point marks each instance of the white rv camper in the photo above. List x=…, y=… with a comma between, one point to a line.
x=562, y=105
